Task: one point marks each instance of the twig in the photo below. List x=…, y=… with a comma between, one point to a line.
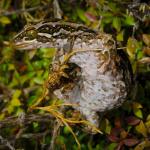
x=35, y=135
x=6, y=143
x=26, y=120
x=57, y=125
x=57, y=10
x=19, y=11
x=145, y=60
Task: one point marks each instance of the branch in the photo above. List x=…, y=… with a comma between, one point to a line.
x=25, y=120
x=6, y=143
x=19, y=11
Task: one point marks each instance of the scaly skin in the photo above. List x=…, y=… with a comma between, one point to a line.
x=105, y=78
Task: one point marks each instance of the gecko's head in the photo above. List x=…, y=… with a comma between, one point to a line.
x=50, y=34
x=32, y=37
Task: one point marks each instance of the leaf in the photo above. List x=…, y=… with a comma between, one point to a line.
x=113, y=138
x=112, y=146
x=142, y=145
x=130, y=142
x=5, y=20
x=146, y=50
x=137, y=110
x=107, y=20
x=105, y=126
x=81, y=15
x=146, y=39
x=101, y=2
x=137, y=105
x=32, y=100
x=138, y=113
x=148, y=117
x=116, y=131
x=141, y=129
x=2, y=116
x=129, y=20
x=116, y=23
x=60, y=140
x=17, y=93
x=108, y=126
x=38, y=80
x=66, y=130
x=107, y=14
x=48, y=52
x=132, y=45
x=120, y=145
x=147, y=124
x=120, y=35
x=5, y=4
x=131, y=120
x=123, y=134
x=15, y=102
x=90, y=16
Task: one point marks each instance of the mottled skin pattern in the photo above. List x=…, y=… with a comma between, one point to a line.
x=104, y=78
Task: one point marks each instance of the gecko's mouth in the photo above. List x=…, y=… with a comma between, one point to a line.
x=21, y=45
x=25, y=45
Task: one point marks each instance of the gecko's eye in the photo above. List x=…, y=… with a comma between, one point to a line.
x=31, y=34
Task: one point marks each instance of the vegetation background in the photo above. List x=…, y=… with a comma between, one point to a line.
x=23, y=73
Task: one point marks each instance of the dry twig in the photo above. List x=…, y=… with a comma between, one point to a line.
x=27, y=119
x=20, y=11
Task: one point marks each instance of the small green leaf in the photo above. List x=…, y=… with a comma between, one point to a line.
x=108, y=126
x=141, y=129
x=146, y=39
x=140, y=146
x=107, y=20
x=5, y=4
x=17, y=94
x=15, y=102
x=66, y=130
x=137, y=110
x=147, y=124
x=140, y=55
x=137, y=105
x=138, y=113
x=132, y=46
x=32, y=100
x=120, y=36
x=2, y=116
x=5, y=20
x=116, y=23
x=60, y=140
x=148, y=117
x=38, y=80
x=143, y=145
x=48, y=52
x=107, y=14
x=81, y=15
x=112, y=146
x=35, y=124
x=129, y=20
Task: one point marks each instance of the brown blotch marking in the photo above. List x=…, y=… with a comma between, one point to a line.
x=48, y=29
x=86, y=29
x=43, y=39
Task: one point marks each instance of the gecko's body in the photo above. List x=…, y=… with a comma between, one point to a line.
x=104, y=79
